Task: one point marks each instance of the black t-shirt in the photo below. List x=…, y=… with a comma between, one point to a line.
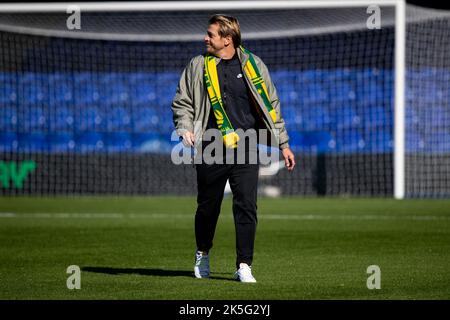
x=237, y=103
x=235, y=96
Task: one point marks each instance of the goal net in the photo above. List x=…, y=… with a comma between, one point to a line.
x=87, y=111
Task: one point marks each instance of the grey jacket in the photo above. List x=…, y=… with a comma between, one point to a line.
x=191, y=105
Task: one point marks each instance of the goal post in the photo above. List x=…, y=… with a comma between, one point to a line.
x=399, y=106
x=190, y=5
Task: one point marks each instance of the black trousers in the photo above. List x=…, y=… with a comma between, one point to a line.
x=211, y=181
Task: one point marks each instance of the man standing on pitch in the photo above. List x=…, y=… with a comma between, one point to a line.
x=228, y=89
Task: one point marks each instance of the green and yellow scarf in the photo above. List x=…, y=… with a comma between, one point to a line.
x=230, y=137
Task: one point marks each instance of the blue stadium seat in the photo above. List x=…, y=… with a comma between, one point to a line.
x=344, y=116
x=363, y=75
x=57, y=77
x=148, y=142
x=8, y=142
x=117, y=142
x=341, y=91
x=32, y=142
x=8, y=92
x=8, y=118
x=349, y=141
x=61, y=119
x=32, y=119
x=292, y=113
x=378, y=139
x=27, y=77
x=165, y=85
x=285, y=81
x=118, y=119
x=114, y=92
x=311, y=141
x=34, y=93
x=430, y=139
x=315, y=117
x=289, y=95
x=439, y=141
x=146, y=119
x=373, y=73
x=166, y=124
x=60, y=92
x=438, y=116
x=422, y=114
x=387, y=75
x=60, y=142
x=293, y=122
x=165, y=94
x=343, y=75
x=167, y=77
x=166, y=143
x=140, y=77
x=134, y=78
x=87, y=142
x=80, y=77
x=426, y=92
x=411, y=115
x=89, y=119
x=375, y=116
x=313, y=92
x=6, y=77
x=142, y=93
x=296, y=140
x=284, y=76
x=86, y=94
x=108, y=77
x=370, y=92
x=318, y=141
x=414, y=142
x=307, y=76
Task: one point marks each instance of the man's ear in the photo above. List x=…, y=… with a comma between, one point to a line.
x=228, y=40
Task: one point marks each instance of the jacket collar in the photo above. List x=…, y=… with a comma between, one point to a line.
x=243, y=57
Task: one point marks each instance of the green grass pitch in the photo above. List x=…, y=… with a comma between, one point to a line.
x=143, y=248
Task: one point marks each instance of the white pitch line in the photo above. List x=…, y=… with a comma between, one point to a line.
x=64, y=215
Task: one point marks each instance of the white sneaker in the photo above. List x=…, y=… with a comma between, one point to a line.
x=244, y=274
x=201, y=268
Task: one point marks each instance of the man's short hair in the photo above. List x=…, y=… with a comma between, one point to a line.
x=228, y=26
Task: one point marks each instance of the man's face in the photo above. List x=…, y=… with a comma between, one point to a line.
x=213, y=41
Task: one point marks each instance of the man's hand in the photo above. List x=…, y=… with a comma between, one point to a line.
x=289, y=160
x=188, y=139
